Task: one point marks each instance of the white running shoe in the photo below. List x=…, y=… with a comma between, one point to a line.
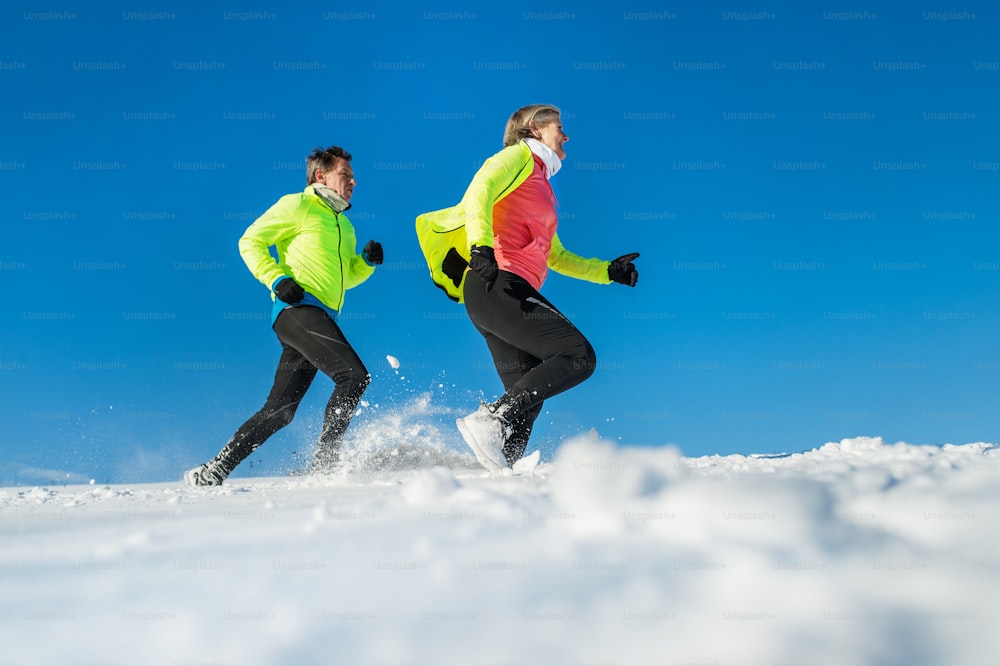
x=203, y=475
x=486, y=433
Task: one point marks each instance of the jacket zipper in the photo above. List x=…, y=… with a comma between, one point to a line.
x=340, y=260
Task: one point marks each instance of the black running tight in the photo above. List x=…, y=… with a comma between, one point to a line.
x=537, y=352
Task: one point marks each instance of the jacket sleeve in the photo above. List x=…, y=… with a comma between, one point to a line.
x=496, y=174
x=276, y=224
x=565, y=262
x=358, y=271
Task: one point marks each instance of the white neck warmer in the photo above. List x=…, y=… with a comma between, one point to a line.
x=331, y=197
x=552, y=161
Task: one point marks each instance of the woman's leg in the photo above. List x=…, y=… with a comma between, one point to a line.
x=538, y=352
x=512, y=364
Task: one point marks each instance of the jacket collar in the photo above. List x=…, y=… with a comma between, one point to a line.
x=548, y=156
x=329, y=197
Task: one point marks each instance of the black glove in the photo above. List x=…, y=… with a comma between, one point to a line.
x=623, y=271
x=483, y=261
x=289, y=291
x=373, y=253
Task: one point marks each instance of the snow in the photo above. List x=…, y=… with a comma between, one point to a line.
x=393, y=361
x=858, y=552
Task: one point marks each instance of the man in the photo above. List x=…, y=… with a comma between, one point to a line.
x=317, y=262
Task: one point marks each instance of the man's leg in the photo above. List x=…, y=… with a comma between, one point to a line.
x=291, y=381
x=317, y=337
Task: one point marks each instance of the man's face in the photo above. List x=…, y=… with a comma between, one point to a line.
x=340, y=178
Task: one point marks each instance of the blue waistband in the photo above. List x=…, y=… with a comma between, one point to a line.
x=308, y=299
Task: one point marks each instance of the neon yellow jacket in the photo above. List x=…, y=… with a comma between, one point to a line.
x=316, y=246
x=501, y=174
x=447, y=235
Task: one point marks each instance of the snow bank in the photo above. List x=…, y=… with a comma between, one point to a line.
x=858, y=552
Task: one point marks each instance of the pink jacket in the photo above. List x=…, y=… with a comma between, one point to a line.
x=524, y=223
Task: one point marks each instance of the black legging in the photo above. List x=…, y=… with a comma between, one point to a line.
x=310, y=341
x=537, y=352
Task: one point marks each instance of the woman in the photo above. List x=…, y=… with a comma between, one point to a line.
x=510, y=225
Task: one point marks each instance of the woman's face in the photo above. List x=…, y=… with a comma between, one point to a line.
x=552, y=135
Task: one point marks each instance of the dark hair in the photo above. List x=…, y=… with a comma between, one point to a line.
x=323, y=159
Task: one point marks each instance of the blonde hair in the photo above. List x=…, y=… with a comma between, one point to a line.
x=527, y=118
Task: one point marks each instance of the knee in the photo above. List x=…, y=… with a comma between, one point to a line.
x=282, y=416
x=286, y=415
x=363, y=380
x=356, y=378
x=584, y=359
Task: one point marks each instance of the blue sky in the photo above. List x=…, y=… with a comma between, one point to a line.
x=812, y=189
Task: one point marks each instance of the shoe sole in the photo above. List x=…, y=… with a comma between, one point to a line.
x=485, y=460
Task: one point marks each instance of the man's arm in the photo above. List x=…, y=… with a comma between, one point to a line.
x=269, y=229
x=356, y=269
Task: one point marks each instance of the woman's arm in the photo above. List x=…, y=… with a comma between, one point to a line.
x=498, y=174
x=573, y=265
